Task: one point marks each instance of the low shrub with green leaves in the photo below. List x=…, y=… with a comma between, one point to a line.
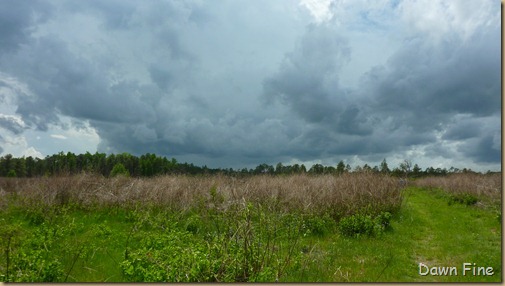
x=463, y=198
x=173, y=256
x=364, y=224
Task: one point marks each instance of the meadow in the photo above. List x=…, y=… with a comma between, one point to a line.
x=352, y=227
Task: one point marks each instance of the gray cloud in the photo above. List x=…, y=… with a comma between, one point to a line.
x=307, y=76
x=18, y=20
x=483, y=150
x=234, y=83
x=12, y=124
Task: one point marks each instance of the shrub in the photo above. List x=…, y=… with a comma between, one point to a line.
x=173, y=256
x=361, y=224
x=119, y=169
x=319, y=225
x=463, y=198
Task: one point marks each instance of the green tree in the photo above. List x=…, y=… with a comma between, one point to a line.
x=279, y=168
x=119, y=170
x=5, y=164
x=341, y=167
x=316, y=169
x=416, y=171
x=384, y=167
x=20, y=166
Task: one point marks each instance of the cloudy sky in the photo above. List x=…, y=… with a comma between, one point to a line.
x=236, y=83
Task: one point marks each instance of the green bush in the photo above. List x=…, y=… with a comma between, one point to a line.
x=361, y=224
x=319, y=225
x=119, y=170
x=31, y=256
x=464, y=198
x=173, y=256
x=383, y=220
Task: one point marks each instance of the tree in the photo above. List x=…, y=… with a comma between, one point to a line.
x=416, y=171
x=279, y=168
x=20, y=166
x=6, y=164
x=316, y=169
x=264, y=169
x=30, y=166
x=119, y=170
x=340, y=167
x=12, y=174
x=366, y=168
x=405, y=167
x=384, y=167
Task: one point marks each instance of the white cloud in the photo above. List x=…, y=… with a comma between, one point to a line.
x=319, y=9
x=31, y=151
x=58, y=136
x=441, y=19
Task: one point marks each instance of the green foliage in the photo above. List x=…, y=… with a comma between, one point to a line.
x=364, y=225
x=173, y=256
x=31, y=257
x=11, y=174
x=119, y=170
x=463, y=198
x=35, y=265
x=246, y=241
x=243, y=243
x=319, y=225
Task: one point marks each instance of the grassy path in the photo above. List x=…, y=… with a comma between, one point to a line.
x=427, y=230
x=450, y=235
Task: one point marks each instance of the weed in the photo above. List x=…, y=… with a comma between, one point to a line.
x=463, y=198
x=360, y=224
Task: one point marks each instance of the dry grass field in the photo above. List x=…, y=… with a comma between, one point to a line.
x=354, y=227
x=342, y=194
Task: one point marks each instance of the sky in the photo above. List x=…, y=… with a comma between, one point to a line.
x=236, y=83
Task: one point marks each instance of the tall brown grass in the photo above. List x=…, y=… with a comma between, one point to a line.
x=336, y=195
x=487, y=187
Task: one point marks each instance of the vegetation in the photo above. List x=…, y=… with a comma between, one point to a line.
x=149, y=165
x=119, y=170
x=361, y=226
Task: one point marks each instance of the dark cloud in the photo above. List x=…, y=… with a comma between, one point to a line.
x=18, y=20
x=463, y=130
x=73, y=86
x=461, y=76
x=483, y=150
x=12, y=124
x=240, y=83
x=307, y=76
x=424, y=86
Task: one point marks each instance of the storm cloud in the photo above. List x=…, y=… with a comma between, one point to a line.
x=238, y=83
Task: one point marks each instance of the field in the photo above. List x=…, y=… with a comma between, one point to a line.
x=354, y=227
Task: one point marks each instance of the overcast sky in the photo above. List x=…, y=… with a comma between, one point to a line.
x=236, y=83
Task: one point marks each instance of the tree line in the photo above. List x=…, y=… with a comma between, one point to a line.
x=148, y=165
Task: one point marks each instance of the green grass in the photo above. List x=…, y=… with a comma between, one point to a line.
x=427, y=230
x=251, y=243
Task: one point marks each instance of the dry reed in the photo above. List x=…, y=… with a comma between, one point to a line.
x=487, y=186
x=338, y=195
